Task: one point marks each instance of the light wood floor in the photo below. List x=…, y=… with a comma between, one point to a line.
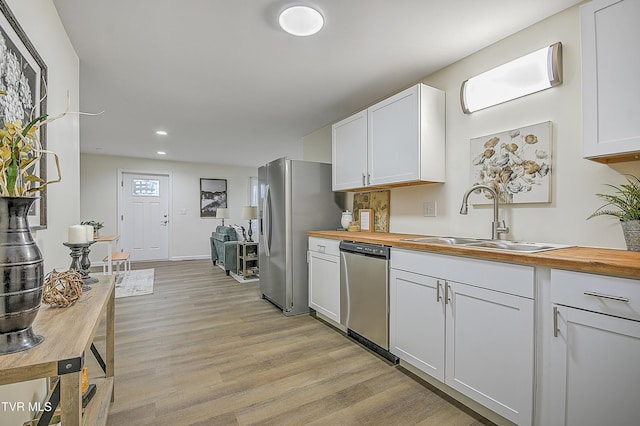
x=206, y=350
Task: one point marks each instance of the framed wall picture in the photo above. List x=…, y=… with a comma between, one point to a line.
x=24, y=79
x=379, y=202
x=517, y=163
x=213, y=194
x=366, y=220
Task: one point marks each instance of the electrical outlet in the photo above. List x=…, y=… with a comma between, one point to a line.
x=429, y=209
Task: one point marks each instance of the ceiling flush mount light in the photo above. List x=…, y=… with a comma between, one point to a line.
x=161, y=133
x=301, y=20
x=528, y=74
x=161, y=153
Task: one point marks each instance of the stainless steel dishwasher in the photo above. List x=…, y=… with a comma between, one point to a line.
x=364, y=295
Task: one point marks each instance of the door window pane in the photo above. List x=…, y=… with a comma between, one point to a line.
x=146, y=188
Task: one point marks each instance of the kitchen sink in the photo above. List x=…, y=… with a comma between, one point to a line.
x=514, y=246
x=523, y=247
x=443, y=240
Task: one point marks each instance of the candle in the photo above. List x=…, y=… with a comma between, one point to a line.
x=89, y=230
x=77, y=234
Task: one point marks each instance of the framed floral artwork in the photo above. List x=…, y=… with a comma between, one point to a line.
x=378, y=202
x=516, y=163
x=23, y=78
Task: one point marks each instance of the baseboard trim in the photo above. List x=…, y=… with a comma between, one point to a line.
x=199, y=257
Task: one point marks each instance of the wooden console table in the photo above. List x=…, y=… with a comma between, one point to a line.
x=68, y=335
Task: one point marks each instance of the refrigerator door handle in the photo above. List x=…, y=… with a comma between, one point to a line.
x=266, y=217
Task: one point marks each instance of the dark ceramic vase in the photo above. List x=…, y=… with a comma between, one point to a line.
x=22, y=271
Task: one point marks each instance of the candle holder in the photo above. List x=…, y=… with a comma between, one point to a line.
x=81, y=263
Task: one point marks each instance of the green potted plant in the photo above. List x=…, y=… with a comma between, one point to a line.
x=20, y=152
x=624, y=204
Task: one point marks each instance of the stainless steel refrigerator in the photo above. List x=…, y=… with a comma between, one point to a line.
x=295, y=197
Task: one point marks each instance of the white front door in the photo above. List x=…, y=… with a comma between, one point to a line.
x=144, y=215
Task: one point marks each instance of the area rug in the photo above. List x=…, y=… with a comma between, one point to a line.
x=134, y=283
x=242, y=279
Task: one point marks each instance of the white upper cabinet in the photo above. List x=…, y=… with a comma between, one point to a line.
x=610, y=80
x=349, y=148
x=398, y=141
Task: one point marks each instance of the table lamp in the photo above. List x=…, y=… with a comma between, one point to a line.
x=250, y=213
x=222, y=213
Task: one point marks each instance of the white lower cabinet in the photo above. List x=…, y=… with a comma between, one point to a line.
x=595, y=378
x=416, y=322
x=489, y=350
x=451, y=318
x=324, y=277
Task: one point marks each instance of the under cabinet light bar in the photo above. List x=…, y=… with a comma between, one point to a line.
x=528, y=74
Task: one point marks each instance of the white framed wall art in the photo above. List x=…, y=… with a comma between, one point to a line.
x=516, y=163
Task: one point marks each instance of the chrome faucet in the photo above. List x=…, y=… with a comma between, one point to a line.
x=497, y=227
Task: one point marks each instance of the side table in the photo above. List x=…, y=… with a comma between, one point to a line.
x=247, y=261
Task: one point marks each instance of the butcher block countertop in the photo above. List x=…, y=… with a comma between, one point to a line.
x=584, y=259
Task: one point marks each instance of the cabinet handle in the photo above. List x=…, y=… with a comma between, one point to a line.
x=555, y=321
x=447, y=299
x=438, y=297
x=369, y=179
x=363, y=181
x=606, y=296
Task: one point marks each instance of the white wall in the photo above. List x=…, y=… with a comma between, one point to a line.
x=40, y=21
x=575, y=180
x=189, y=233
x=314, y=148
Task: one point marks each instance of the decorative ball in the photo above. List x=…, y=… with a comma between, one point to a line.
x=62, y=289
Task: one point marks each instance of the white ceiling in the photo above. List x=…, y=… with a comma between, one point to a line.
x=230, y=87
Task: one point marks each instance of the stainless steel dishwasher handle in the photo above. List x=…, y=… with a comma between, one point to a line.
x=343, y=259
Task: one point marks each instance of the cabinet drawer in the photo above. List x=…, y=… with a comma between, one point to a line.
x=597, y=293
x=504, y=277
x=324, y=245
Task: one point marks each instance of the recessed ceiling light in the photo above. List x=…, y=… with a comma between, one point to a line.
x=162, y=153
x=161, y=133
x=301, y=20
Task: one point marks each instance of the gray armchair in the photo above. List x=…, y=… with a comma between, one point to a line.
x=224, y=248
x=214, y=253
